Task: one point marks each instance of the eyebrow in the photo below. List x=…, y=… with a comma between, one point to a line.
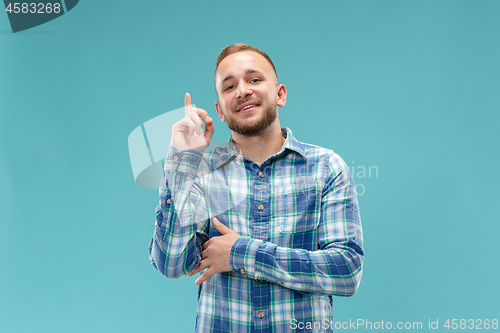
x=248, y=71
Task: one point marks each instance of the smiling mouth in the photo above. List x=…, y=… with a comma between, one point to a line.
x=248, y=107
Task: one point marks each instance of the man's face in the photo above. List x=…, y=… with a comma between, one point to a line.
x=248, y=91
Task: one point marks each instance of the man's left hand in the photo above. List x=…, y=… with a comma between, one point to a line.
x=216, y=252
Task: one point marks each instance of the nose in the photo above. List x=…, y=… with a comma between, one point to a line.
x=243, y=90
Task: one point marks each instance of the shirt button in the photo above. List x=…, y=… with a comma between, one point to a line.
x=261, y=174
x=261, y=314
x=261, y=207
x=242, y=271
x=169, y=201
x=280, y=283
x=176, y=158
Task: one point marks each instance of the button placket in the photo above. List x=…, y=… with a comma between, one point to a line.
x=261, y=289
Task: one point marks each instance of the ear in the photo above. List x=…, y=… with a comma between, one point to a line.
x=219, y=111
x=281, y=95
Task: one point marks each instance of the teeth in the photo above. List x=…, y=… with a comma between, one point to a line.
x=248, y=106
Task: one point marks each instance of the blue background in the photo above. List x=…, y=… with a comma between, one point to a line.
x=408, y=87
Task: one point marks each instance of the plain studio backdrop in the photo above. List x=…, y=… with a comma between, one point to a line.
x=405, y=91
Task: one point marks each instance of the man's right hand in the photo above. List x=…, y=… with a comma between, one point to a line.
x=188, y=132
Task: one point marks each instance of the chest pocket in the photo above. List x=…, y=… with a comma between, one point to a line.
x=298, y=207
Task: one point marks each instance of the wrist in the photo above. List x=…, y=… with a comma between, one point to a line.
x=242, y=257
x=185, y=160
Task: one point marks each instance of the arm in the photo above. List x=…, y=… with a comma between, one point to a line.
x=181, y=215
x=335, y=268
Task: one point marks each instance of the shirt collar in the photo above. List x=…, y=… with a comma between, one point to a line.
x=291, y=144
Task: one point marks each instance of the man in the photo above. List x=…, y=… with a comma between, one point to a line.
x=272, y=223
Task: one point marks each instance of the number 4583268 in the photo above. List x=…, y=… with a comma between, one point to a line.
x=40, y=8
x=471, y=324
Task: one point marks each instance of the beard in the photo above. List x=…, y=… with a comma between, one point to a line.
x=267, y=118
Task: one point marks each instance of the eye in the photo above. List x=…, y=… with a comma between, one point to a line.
x=255, y=80
x=229, y=87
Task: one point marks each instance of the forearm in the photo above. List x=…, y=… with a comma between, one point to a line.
x=334, y=271
x=175, y=248
x=174, y=253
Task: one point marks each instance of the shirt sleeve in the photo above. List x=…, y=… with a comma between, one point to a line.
x=181, y=215
x=336, y=267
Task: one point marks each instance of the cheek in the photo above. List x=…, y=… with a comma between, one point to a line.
x=271, y=93
x=226, y=104
x=273, y=97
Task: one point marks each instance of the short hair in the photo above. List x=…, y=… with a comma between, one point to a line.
x=239, y=47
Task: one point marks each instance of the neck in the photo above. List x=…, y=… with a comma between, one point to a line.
x=260, y=147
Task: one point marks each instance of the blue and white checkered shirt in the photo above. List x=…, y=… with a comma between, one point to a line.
x=301, y=238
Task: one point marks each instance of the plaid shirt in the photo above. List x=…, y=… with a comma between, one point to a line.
x=301, y=239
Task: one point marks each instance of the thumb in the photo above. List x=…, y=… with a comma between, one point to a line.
x=220, y=226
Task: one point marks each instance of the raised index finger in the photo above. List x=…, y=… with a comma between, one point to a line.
x=187, y=103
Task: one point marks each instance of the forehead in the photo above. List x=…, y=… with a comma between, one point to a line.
x=239, y=63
